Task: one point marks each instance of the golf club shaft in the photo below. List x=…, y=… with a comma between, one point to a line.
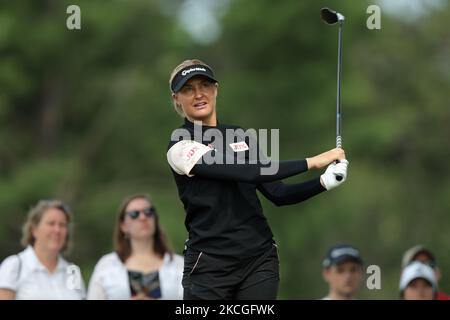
x=338, y=99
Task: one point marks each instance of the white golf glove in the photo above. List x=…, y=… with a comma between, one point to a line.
x=329, y=180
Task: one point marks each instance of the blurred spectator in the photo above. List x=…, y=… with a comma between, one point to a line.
x=424, y=255
x=142, y=266
x=39, y=271
x=343, y=271
x=418, y=282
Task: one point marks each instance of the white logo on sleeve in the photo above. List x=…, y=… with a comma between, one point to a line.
x=239, y=146
x=183, y=155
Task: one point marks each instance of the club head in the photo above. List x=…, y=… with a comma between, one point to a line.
x=331, y=16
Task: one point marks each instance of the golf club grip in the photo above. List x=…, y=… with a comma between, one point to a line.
x=338, y=145
x=339, y=141
x=339, y=177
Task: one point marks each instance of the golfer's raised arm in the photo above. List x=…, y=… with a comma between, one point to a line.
x=282, y=194
x=188, y=158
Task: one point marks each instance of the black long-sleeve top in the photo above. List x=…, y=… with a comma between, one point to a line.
x=223, y=213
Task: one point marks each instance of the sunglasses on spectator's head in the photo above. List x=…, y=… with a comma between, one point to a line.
x=430, y=263
x=148, y=212
x=64, y=207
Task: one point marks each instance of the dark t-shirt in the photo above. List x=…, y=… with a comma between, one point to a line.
x=223, y=213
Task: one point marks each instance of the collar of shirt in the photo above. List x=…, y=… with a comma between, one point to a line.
x=166, y=261
x=32, y=261
x=189, y=124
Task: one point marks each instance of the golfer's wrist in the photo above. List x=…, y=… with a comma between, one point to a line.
x=322, y=183
x=311, y=163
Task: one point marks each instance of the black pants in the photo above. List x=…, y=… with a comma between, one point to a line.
x=211, y=277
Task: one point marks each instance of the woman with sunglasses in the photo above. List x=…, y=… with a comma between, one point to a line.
x=40, y=272
x=230, y=252
x=142, y=267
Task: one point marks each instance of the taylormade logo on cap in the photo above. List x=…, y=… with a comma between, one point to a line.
x=185, y=72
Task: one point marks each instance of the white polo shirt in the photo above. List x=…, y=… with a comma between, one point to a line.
x=24, y=274
x=109, y=281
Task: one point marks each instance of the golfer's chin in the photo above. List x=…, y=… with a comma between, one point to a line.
x=203, y=114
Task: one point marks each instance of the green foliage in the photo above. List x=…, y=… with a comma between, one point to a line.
x=86, y=115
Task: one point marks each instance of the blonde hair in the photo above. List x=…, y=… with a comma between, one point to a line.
x=184, y=64
x=35, y=216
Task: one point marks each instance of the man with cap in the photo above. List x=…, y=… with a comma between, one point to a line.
x=422, y=254
x=343, y=271
x=418, y=282
x=230, y=253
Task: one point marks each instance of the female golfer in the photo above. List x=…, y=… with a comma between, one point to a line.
x=230, y=253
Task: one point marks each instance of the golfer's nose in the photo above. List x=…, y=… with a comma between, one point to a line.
x=198, y=92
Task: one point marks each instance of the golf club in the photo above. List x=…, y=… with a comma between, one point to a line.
x=332, y=17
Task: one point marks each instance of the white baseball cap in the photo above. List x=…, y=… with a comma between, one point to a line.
x=417, y=270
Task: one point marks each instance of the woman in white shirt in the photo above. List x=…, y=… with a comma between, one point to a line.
x=40, y=272
x=142, y=265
